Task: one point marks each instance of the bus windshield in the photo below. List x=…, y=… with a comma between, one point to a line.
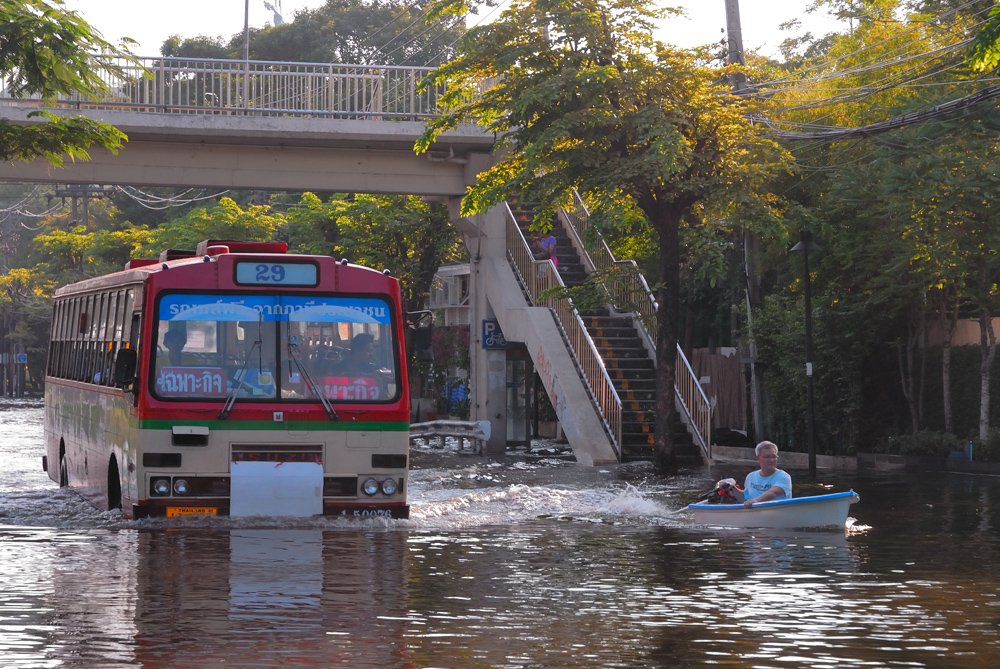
x=275, y=348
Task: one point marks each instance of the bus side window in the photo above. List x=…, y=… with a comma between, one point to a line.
x=133, y=339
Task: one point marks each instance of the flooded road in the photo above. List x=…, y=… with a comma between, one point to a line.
x=528, y=563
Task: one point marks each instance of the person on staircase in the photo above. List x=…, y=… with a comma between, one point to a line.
x=546, y=245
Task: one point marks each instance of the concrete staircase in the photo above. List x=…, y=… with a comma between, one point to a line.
x=628, y=361
x=634, y=376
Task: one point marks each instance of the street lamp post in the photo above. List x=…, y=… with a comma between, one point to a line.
x=804, y=246
x=246, y=55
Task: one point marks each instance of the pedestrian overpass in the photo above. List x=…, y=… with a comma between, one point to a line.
x=344, y=128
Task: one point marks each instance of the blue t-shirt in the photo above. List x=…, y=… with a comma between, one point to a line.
x=549, y=243
x=756, y=485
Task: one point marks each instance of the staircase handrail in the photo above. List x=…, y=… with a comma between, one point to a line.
x=537, y=276
x=631, y=293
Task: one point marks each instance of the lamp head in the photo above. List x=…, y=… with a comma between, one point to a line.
x=805, y=244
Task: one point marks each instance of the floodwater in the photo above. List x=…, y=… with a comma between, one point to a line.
x=529, y=562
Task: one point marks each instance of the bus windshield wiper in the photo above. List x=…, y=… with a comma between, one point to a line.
x=293, y=354
x=238, y=381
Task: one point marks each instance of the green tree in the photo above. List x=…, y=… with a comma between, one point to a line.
x=360, y=32
x=312, y=225
x=953, y=206
x=46, y=50
x=890, y=263
x=580, y=96
x=399, y=233
x=25, y=306
x=224, y=220
x=201, y=46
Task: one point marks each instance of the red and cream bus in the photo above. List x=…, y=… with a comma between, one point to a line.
x=236, y=379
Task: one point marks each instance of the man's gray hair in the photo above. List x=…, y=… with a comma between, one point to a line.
x=766, y=444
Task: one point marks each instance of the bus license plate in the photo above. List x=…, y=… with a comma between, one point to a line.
x=174, y=511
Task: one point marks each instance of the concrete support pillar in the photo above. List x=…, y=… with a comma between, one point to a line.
x=484, y=236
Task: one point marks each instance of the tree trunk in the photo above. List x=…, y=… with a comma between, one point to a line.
x=922, y=342
x=987, y=349
x=947, y=318
x=904, y=353
x=667, y=224
x=904, y=356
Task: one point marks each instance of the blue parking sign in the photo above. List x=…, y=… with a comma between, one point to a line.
x=492, y=336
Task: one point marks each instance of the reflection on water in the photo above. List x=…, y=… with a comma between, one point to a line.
x=268, y=597
x=530, y=564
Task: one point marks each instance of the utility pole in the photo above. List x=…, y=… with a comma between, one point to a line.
x=246, y=58
x=734, y=35
x=804, y=246
x=84, y=192
x=751, y=246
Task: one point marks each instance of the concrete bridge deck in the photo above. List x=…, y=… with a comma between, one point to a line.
x=267, y=153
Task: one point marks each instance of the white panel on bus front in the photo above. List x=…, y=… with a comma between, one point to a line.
x=189, y=429
x=276, y=489
x=365, y=439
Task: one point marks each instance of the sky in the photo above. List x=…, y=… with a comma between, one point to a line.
x=150, y=23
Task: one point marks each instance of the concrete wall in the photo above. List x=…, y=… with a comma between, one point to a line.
x=787, y=459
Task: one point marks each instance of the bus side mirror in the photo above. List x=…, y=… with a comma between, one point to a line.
x=422, y=344
x=125, y=365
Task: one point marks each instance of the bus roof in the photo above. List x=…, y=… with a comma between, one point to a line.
x=139, y=271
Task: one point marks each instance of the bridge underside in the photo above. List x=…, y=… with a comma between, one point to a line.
x=268, y=153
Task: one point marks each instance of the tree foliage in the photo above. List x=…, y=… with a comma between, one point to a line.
x=581, y=97
x=402, y=234
x=903, y=218
x=360, y=32
x=48, y=51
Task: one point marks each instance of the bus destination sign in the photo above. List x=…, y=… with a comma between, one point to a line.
x=277, y=273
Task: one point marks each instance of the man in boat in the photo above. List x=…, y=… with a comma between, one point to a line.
x=764, y=485
x=767, y=483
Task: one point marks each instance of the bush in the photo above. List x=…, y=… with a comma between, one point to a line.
x=924, y=443
x=990, y=451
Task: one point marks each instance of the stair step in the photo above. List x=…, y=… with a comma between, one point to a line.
x=643, y=375
x=632, y=342
x=622, y=353
x=629, y=396
x=639, y=405
x=629, y=364
x=614, y=331
x=635, y=385
x=609, y=322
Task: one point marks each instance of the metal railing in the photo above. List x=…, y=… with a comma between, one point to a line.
x=539, y=275
x=262, y=88
x=630, y=292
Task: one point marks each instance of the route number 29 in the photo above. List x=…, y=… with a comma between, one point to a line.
x=270, y=273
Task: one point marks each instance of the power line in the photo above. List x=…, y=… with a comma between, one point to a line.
x=481, y=19
x=894, y=123
x=830, y=63
x=150, y=201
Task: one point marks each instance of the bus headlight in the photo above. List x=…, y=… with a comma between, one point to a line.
x=161, y=487
x=369, y=487
x=180, y=487
x=389, y=487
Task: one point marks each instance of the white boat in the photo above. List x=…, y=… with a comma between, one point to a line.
x=828, y=511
